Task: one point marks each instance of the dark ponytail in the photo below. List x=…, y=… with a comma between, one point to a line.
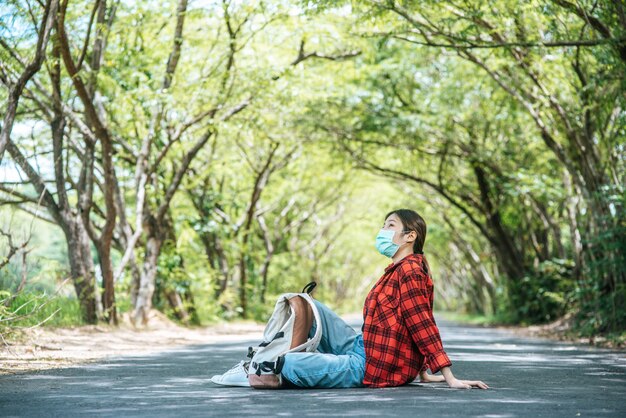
x=412, y=221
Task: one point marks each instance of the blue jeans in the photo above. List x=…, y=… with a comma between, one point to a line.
x=339, y=362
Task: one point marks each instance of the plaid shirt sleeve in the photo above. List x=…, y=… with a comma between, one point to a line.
x=416, y=307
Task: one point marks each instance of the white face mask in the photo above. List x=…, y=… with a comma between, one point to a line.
x=385, y=244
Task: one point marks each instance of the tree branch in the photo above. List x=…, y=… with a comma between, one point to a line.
x=15, y=92
x=180, y=173
x=37, y=182
x=406, y=176
x=24, y=198
x=547, y=44
x=172, y=61
x=333, y=57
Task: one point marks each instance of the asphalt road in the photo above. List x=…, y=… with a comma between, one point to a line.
x=528, y=377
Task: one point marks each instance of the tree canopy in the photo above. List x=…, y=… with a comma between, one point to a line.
x=201, y=157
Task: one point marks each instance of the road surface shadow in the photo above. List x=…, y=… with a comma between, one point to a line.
x=529, y=377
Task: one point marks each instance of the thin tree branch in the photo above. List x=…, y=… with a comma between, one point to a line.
x=49, y=16
x=547, y=44
x=332, y=57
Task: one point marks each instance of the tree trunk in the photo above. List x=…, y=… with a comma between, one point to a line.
x=176, y=303
x=193, y=313
x=243, y=284
x=479, y=272
x=508, y=255
x=224, y=268
x=269, y=253
x=147, y=282
x=103, y=243
x=108, y=295
x=135, y=281
x=81, y=267
x=549, y=225
x=217, y=259
x=259, y=184
x=575, y=235
x=264, y=273
x=173, y=297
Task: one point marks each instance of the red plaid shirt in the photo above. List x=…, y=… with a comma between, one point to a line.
x=399, y=332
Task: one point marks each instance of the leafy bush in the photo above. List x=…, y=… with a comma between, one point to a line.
x=541, y=296
x=172, y=277
x=602, y=295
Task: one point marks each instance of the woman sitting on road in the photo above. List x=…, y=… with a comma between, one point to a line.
x=400, y=339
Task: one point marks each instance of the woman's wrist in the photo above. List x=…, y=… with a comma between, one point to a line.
x=431, y=378
x=447, y=374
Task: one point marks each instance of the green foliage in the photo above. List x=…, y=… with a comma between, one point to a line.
x=602, y=293
x=541, y=297
x=33, y=309
x=600, y=312
x=173, y=280
x=472, y=134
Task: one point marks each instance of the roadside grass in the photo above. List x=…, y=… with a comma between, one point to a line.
x=471, y=319
x=617, y=339
x=30, y=310
x=606, y=340
x=562, y=329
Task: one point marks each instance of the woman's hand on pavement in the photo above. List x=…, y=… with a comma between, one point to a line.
x=467, y=384
x=455, y=383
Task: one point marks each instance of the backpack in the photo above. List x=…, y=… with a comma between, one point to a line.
x=268, y=357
